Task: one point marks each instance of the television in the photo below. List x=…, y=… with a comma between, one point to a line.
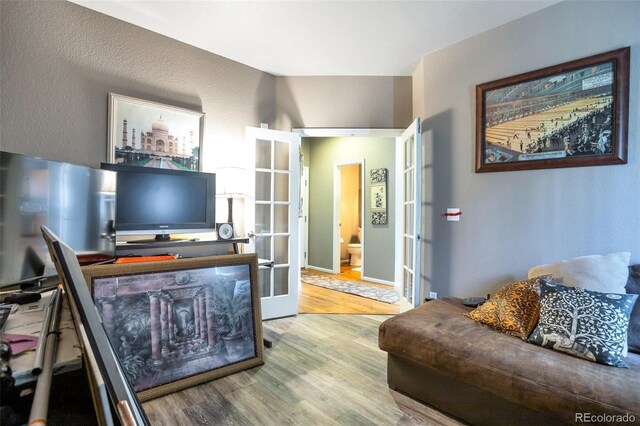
x=76, y=202
x=161, y=202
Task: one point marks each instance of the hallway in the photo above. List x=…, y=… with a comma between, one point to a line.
x=318, y=300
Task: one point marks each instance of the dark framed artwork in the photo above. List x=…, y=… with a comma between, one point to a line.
x=568, y=115
x=379, y=214
x=150, y=134
x=175, y=324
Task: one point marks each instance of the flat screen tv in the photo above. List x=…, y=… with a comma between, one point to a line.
x=76, y=202
x=162, y=202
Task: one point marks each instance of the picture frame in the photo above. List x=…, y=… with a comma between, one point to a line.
x=175, y=324
x=378, y=200
x=150, y=134
x=568, y=115
x=111, y=392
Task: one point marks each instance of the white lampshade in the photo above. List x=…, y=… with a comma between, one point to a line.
x=231, y=182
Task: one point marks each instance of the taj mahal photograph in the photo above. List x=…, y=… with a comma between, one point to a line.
x=149, y=134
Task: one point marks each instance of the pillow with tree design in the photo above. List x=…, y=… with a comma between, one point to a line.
x=583, y=323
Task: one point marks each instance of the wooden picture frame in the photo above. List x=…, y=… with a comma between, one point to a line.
x=568, y=115
x=150, y=134
x=175, y=324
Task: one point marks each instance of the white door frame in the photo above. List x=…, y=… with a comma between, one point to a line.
x=337, y=196
x=373, y=133
x=303, y=228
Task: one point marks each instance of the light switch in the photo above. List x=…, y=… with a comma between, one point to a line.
x=453, y=215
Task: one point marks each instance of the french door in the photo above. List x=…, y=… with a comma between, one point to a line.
x=271, y=210
x=409, y=164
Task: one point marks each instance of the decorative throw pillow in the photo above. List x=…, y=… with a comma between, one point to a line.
x=513, y=309
x=583, y=323
x=606, y=274
x=633, y=287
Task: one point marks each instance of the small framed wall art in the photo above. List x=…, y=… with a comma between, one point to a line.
x=149, y=134
x=379, y=214
x=568, y=115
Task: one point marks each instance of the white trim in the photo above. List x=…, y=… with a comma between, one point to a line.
x=378, y=281
x=317, y=268
x=399, y=223
x=313, y=132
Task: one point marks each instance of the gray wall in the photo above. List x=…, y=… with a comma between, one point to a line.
x=324, y=153
x=352, y=102
x=59, y=61
x=514, y=220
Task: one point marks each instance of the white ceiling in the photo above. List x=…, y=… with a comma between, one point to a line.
x=293, y=38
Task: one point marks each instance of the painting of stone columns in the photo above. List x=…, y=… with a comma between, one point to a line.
x=173, y=324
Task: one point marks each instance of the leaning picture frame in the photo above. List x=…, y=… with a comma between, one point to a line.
x=175, y=324
x=568, y=115
x=150, y=134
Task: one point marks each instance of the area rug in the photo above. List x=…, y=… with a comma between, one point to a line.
x=370, y=292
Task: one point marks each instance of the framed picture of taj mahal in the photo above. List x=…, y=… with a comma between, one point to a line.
x=149, y=134
x=178, y=323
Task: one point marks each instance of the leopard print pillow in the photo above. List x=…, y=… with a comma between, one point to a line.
x=514, y=309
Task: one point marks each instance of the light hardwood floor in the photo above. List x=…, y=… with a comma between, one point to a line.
x=318, y=300
x=321, y=370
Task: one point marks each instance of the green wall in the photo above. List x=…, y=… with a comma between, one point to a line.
x=323, y=154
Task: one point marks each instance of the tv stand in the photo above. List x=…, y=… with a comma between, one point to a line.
x=160, y=238
x=184, y=248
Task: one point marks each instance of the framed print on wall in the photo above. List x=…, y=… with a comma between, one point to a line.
x=379, y=214
x=149, y=134
x=568, y=115
x=179, y=323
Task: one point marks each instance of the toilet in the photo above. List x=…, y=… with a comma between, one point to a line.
x=355, y=250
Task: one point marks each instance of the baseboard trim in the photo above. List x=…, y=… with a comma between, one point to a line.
x=317, y=268
x=377, y=281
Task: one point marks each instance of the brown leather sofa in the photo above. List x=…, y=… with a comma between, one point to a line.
x=476, y=374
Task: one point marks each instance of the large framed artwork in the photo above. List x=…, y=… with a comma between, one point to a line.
x=149, y=134
x=568, y=115
x=175, y=324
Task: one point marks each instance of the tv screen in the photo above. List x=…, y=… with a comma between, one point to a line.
x=163, y=201
x=76, y=202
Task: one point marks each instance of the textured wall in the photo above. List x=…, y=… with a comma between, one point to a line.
x=324, y=153
x=60, y=60
x=514, y=220
x=352, y=102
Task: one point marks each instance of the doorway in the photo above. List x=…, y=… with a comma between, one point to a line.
x=350, y=207
x=401, y=265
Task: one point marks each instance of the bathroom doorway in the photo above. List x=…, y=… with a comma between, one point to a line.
x=350, y=205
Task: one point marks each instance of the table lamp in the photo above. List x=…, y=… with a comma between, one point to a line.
x=231, y=183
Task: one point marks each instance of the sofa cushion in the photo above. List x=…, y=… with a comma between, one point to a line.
x=438, y=335
x=583, y=323
x=514, y=309
x=606, y=274
x=633, y=287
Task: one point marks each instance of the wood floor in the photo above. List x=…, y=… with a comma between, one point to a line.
x=318, y=300
x=321, y=370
